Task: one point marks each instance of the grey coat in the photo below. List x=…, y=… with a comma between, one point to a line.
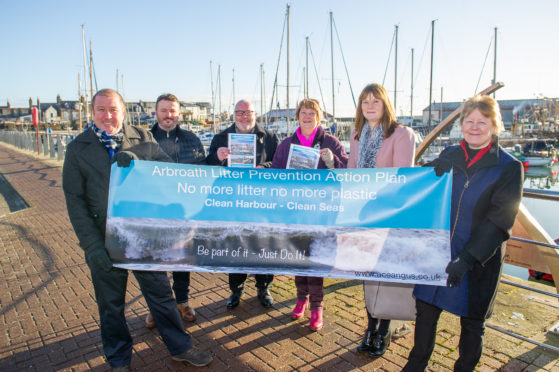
x=85, y=179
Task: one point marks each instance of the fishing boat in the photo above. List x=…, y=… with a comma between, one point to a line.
x=536, y=161
x=531, y=157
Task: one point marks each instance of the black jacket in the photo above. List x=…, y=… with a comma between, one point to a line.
x=266, y=144
x=181, y=145
x=85, y=179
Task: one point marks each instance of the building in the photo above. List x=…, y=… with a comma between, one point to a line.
x=512, y=111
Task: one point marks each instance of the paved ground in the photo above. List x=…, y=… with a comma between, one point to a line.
x=49, y=319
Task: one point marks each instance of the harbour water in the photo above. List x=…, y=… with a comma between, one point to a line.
x=541, y=178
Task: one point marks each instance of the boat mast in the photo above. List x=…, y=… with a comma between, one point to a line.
x=495, y=61
x=79, y=103
x=91, y=68
x=287, y=90
x=332, y=63
x=411, y=95
x=213, y=97
x=395, y=66
x=441, y=110
x=85, y=75
x=233, y=80
x=261, y=92
x=264, y=94
x=307, y=67
x=219, y=89
x=431, y=76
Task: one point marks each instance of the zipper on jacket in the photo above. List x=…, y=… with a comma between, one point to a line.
x=460, y=205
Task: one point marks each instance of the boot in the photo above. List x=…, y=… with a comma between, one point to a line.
x=366, y=344
x=187, y=313
x=316, y=319
x=150, y=323
x=380, y=344
x=299, y=310
x=265, y=297
x=234, y=299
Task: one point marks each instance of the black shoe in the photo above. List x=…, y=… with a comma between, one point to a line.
x=194, y=356
x=265, y=297
x=234, y=300
x=379, y=345
x=121, y=369
x=367, y=342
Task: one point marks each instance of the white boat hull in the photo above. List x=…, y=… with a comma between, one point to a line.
x=537, y=161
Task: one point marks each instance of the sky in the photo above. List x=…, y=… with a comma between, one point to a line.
x=167, y=46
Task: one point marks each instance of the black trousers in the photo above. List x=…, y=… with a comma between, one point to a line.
x=110, y=291
x=237, y=281
x=469, y=347
x=181, y=286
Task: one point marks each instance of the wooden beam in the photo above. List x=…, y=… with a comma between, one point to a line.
x=449, y=120
x=538, y=233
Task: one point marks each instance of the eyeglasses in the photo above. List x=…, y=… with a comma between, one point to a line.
x=243, y=113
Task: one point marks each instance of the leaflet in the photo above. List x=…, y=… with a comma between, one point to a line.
x=243, y=150
x=302, y=157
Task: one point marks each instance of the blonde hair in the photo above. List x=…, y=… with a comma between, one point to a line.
x=388, y=120
x=310, y=103
x=488, y=108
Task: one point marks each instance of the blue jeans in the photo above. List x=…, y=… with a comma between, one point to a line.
x=110, y=290
x=181, y=284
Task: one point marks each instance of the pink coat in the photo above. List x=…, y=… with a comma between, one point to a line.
x=398, y=150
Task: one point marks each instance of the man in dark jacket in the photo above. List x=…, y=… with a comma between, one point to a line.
x=184, y=147
x=85, y=182
x=266, y=144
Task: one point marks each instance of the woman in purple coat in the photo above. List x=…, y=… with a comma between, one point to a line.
x=332, y=155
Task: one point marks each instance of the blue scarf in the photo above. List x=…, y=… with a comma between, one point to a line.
x=111, y=142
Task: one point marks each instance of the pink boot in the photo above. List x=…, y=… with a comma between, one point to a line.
x=299, y=310
x=316, y=319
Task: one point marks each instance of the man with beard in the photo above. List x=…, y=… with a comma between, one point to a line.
x=184, y=147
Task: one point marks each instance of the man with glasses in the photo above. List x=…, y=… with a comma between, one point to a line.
x=183, y=147
x=266, y=144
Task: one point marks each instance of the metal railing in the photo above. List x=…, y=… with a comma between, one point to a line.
x=52, y=145
x=534, y=194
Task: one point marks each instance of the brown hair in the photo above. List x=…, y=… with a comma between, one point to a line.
x=167, y=97
x=488, y=108
x=107, y=92
x=310, y=103
x=388, y=120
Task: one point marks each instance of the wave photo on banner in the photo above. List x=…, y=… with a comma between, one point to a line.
x=378, y=224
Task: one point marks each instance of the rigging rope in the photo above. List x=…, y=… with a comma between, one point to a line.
x=277, y=68
x=317, y=79
x=345, y=65
x=483, y=67
x=389, y=54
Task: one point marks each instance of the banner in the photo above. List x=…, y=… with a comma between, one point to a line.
x=375, y=224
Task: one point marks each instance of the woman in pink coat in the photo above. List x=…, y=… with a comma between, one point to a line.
x=378, y=141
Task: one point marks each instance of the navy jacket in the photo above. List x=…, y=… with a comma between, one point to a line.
x=485, y=201
x=181, y=145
